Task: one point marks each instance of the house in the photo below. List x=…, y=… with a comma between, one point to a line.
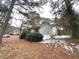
x=41, y=25
x=45, y=26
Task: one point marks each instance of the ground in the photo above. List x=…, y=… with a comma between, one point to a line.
x=14, y=48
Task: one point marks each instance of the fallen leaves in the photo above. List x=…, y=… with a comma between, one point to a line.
x=13, y=48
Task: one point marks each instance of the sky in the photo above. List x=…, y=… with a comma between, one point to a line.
x=16, y=23
x=45, y=13
x=76, y=8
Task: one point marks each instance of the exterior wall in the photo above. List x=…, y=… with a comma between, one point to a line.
x=54, y=31
x=45, y=29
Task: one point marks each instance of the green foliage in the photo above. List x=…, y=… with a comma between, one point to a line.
x=75, y=37
x=34, y=37
x=23, y=35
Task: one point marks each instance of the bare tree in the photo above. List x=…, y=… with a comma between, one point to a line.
x=64, y=9
x=6, y=20
x=72, y=20
x=28, y=3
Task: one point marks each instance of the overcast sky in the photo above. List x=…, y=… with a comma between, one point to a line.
x=45, y=13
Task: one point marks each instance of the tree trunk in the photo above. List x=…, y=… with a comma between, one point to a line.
x=72, y=18
x=4, y=26
x=21, y=27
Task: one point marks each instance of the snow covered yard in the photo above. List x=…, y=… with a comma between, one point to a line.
x=14, y=48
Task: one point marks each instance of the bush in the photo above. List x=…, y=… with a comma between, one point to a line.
x=23, y=35
x=75, y=37
x=34, y=37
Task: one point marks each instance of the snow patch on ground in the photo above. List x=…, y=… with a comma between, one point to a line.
x=45, y=37
x=62, y=36
x=67, y=48
x=77, y=47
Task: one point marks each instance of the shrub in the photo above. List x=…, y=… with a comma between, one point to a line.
x=23, y=35
x=75, y=37
x=34, y=37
